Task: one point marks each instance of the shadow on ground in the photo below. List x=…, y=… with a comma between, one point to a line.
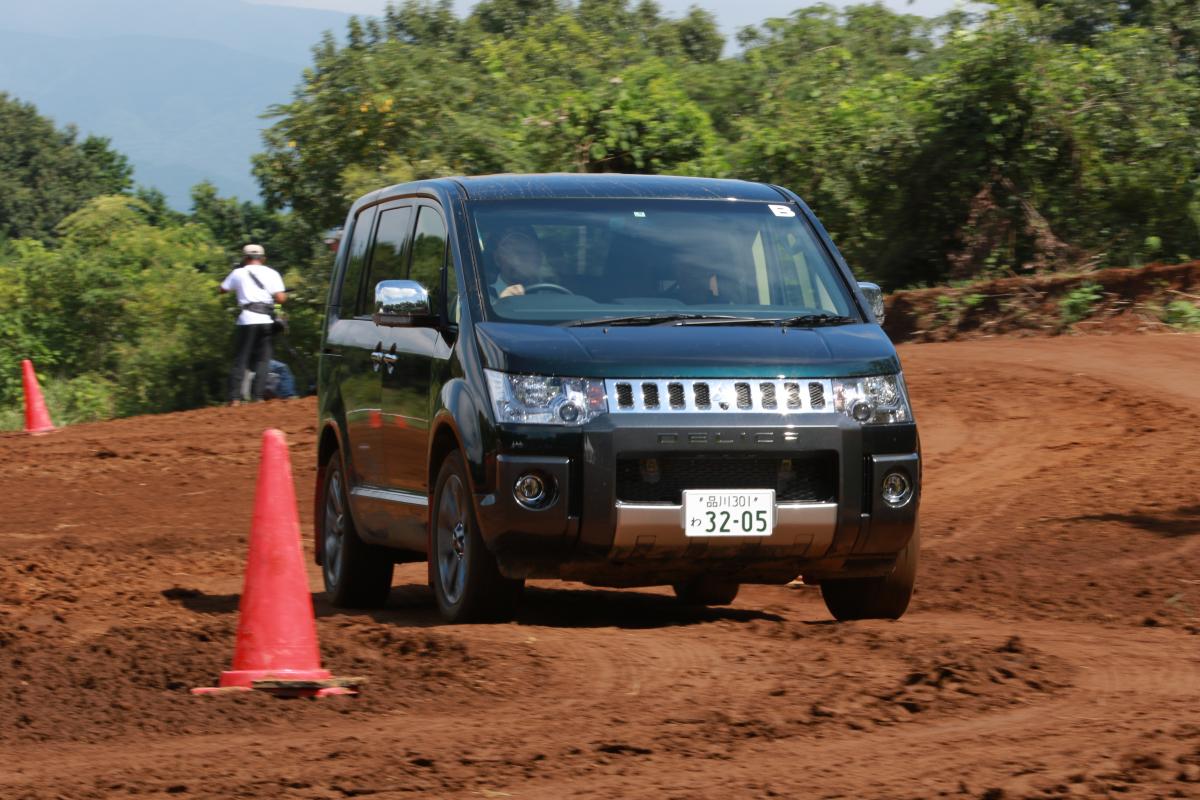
x=413, y=605
x=1184, y=521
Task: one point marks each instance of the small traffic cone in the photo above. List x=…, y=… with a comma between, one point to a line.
x=37, y=418
x=276, y=646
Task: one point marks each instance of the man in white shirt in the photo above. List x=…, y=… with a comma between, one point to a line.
x=258, y=289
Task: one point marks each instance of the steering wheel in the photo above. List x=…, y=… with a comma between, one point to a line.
x=553, y=287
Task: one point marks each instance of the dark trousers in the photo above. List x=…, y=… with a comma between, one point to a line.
x=252, y=350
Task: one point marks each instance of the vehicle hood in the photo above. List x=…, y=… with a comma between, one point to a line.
x=687, y=351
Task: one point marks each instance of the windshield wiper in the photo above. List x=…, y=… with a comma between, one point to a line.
x=800, y=321
x=656, y=319
x=816, y=321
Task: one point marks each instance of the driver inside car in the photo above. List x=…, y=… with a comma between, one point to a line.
x=518, y=257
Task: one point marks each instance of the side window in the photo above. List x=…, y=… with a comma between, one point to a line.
x=356, y=259
x=387, y=252
x=429, y=253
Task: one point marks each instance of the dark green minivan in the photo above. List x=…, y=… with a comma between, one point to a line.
x=615, y=379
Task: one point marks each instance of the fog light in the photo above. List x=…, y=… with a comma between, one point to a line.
x=530, y=491
x=897, y=489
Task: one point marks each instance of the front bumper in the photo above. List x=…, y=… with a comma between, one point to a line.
x=590, y=533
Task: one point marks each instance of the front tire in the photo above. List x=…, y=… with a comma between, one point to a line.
x=885, y=597
x=705, y=590
x=463, y=573
x=356, y=574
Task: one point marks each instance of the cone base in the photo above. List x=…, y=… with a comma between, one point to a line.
x=299, y=683
x=247, y=677
x=41, y=431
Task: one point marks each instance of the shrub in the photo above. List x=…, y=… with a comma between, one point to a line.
x=1080, y=303
x=1182, y=314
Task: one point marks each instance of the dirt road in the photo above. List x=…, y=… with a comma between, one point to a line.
x=1052, y=650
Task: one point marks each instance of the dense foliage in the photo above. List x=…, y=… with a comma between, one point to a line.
x=1031, y=135
x=123, y=313
x=46, y=173
x=1035, y=134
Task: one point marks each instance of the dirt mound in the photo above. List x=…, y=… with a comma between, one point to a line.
x=136, y=679
x=861, y=679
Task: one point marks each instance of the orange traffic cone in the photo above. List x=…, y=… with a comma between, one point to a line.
x=37, y=418
x=276, y=646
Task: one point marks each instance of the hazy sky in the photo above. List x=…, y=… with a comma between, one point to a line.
x=731, y=14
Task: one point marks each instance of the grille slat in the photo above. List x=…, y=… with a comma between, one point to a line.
x=811, y=478
x=767, y=392
x=711, y=396
x=793, y=395
x=816, y=395
x=650, y=395
x=624, y=395
x=743, y=395
x=675, y=395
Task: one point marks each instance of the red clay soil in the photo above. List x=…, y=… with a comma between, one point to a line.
x=1052, y=650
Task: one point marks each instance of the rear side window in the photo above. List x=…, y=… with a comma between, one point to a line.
x=388, y=252
x=360, y=238
x=429, y=253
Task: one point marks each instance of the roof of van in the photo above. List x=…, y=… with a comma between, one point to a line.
x=664, y=187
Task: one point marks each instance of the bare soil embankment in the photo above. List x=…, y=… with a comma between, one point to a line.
x=1118, y=300
x=1052, y=650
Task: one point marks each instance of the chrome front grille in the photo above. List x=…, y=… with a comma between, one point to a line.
x=780, y=396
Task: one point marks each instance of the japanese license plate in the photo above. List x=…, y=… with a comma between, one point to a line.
x=723, y=512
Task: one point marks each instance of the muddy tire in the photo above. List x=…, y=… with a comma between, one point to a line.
x=705, y=590
x=876, y=598
x=356, y=574
x=463, y=574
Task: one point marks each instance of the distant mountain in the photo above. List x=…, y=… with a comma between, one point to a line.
x=279, y=32
x=178, y=85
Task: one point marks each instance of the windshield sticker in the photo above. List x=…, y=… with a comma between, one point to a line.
x=782, y=211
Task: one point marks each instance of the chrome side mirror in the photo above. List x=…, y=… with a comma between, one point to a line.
x=874, y=296
x=402, y=304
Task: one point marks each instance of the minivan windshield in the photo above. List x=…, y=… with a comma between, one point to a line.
x=628, y=261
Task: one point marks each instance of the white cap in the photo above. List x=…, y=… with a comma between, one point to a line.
x=254, y=251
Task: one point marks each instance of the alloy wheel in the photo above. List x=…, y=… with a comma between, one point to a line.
x=452, y=540
x=334, y=529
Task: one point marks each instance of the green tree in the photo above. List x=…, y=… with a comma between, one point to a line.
x=120, y=314
x=46, y=173
x=639, y=121
x=422, y=94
